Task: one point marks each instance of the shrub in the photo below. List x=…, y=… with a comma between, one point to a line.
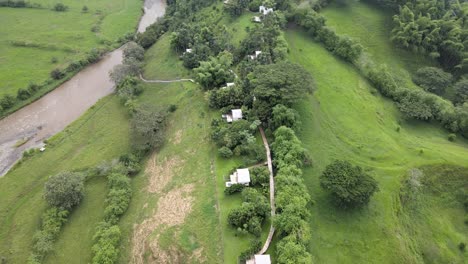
x=64, y=190
x=432, y=79
x=349, y=185
x=84, y=9
x=254, y=247
x=7, y=102
x=260, y=176
x=57, y=74
x=172, y=108
x=462, y=246
x=131, y=162
x=147, y=128
x=133, y=51
x=235, y=188
x=54, y=60
x=59, y=7
x=225, y=152
x=105, y=248
x=23, y=94
x=452, y=137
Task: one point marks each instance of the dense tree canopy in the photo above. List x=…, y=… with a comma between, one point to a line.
x=64, y=190
x=215, y=72
x=349, y=185
x=433, y=79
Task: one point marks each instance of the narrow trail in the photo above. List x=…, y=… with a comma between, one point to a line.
x=165, y=81
x=272, y=193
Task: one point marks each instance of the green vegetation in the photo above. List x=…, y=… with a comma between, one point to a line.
x=100, y=134
x=345, y=119
x=29, y=45
x=372, y=27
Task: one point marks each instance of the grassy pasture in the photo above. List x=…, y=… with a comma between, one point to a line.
x=372, y=27
x=344, y=120
x=100, y=134
x=66, y=36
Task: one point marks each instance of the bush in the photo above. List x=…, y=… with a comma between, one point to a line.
x=57, y=74
x=131, y=162
x=349, y=185
x=59, y=7
x=462, y=246
x=84, y=9
x=64, y=190
x=133, y=51
x=260, y=176
x=7, y=102
x=452, y=137
x=147, y=128
x=172, y=108
x=235, y=188
x=254, y=247
x=106, y=245
x=225, y=152
x=52, y=221
x=432, y=79
x=23, y=94
x=53, y=60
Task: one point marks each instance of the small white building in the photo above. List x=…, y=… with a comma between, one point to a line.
x=257, y=19
x=230, y=84
x=257, y=53
x=264, y=10
x=260, y=259
x=240, y=176
x=188, y=51
x=236, y=114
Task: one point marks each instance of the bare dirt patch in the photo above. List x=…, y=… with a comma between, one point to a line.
x=161, y=174
x=172, y=209
x=177, y=137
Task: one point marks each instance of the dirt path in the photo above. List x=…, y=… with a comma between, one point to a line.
x=272, y=193
x=165, y=81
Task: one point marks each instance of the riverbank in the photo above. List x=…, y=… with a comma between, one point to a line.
x=52, y=111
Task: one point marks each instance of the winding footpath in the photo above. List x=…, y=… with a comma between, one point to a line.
x=165, y=81
x=272, y=193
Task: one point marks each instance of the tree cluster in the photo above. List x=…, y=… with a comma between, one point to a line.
x=349, y=185
x=133, y=55
x=251, y=214
x=436, y=28
x=215, y=72
x=292, y=198
x=238, y=138
x=147, y=128
x=62, y=192
x=314, y=23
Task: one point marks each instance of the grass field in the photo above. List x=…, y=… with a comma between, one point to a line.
x=372, y=26
x=100, y=134
x=65, y=36
x=343, y=120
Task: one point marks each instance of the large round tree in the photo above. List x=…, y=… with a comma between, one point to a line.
x=64, y=190
x=349, y=185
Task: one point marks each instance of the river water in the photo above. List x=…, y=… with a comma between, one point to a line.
x=57, y=109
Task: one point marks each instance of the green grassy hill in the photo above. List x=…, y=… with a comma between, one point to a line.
x=65, y=36
x=346, y=119
x=371, y=26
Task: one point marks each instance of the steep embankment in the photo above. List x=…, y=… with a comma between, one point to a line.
x=347, y=119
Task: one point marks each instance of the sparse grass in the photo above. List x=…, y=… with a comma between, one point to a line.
x=100, y=134
x=344, y=120
x=372, y=26
x=63, y=35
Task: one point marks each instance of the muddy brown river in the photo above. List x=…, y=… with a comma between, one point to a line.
x=56, y=110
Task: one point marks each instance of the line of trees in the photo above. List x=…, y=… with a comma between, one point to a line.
x=413, y=104
x=62, y=192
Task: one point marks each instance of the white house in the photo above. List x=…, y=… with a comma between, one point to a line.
x=230, y=84
x=188, y=51
x=257, y=19
x=240, y=176
x=236, y=114
x=260, y=259
x=253, y=57
x=264, y=10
